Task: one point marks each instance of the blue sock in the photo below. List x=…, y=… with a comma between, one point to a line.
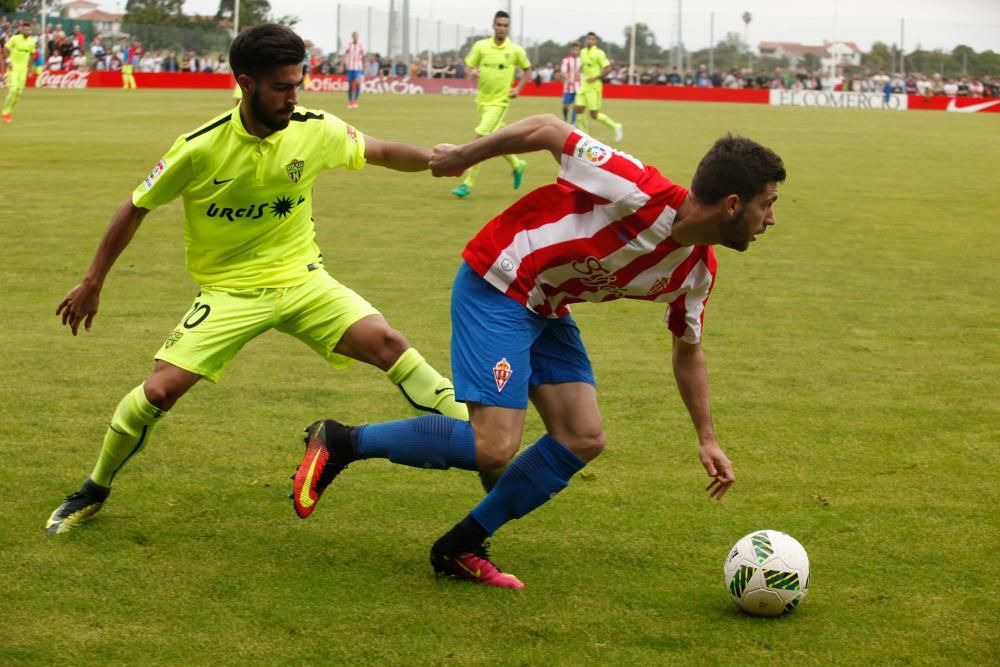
x=431, y=441
x=542, y=471
x=574, y=116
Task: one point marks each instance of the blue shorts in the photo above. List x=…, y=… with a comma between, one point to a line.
x=353, y=75
x=500, y=349
x=568, y=99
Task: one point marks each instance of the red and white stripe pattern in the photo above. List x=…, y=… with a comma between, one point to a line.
x=600, y=233
x=354, y=56
x=570, y=71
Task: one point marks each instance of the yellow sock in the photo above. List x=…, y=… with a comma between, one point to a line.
x=603, y=119
x=471, y=174
x=127, y=433
x=425, y=388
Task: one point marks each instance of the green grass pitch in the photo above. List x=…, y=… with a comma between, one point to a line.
x=855, y=369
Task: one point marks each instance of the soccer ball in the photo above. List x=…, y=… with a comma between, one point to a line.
x=767, y=573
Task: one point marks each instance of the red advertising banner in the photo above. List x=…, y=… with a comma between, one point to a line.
x=392, y=85
x=957, y=104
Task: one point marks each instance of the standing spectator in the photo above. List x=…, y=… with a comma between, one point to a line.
x=354, y=66
x=372, y=67
x=399, y=69
x=170, y=63
x=79, y=39
x=222, y=65
x=689, y=79
x=545, y=73
x=674, y=78
x=703, y=80
x=732, y=79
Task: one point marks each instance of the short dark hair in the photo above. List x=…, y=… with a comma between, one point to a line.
x=262, y=47
x=735, y=165
x=592, y=34
x=572, y=44
x=501, y=15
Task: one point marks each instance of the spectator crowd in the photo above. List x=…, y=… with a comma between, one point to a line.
x=70, y=51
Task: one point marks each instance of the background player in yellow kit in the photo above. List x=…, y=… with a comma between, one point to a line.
x=497, y=58
x=594, y=64
x=20, y=47
x=246, y=179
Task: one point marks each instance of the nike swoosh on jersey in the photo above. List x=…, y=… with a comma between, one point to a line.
x=443, y=389
x=304, y=498
x=218, y=182
x=972, y=108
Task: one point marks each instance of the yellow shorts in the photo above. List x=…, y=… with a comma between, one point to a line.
x=221, y=321
x=490, y=119
x=589, y=98
x=16, y=78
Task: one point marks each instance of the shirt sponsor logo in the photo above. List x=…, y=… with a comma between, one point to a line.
x=294, y=169
x=154, y=175
x=281, y=207
x=502, y=373
x=352, y=134
x=597, y=277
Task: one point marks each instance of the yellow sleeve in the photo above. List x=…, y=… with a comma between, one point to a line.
x=522, y=59
x=475, y=56
x=345, y=146
x=168, y=179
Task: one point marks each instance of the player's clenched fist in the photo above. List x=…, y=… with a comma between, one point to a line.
x=445, y=161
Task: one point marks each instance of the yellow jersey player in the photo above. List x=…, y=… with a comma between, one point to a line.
x=20, y=47
x=594, y=64
x=496, y=59
x=246, y=180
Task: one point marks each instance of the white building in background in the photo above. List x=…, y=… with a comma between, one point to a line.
x=75, y=9
x=832, y=56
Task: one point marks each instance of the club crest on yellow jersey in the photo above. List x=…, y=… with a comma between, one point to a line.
x=294, y=169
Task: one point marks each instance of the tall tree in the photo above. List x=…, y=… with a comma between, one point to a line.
x=252, y=12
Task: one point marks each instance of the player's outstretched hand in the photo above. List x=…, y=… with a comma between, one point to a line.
x=80, y=305
x=445, y=161
x=718, y=467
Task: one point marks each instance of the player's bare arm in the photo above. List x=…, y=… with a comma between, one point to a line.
x=525, y=78
x=691, y=373
x=534, y=133
x=83, y=301
x=395, y=155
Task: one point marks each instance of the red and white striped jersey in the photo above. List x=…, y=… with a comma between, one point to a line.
x=354, y=56
x=601, y=232
x=570, y=71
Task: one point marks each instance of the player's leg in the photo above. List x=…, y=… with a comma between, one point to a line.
x=604, y=119
x=582, y=101
x=565, y=397
x=15, y=86
x=341, y=325
x=490, y=332
x=202, y=345
x=131, y=426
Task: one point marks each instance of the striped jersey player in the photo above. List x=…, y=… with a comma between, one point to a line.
x=354, y=66
x=569, y=74
x=610, y=227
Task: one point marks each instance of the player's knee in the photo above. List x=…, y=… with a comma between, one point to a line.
x=588, y=444
x=161, y=394
x=495, y=452
x=392, y=345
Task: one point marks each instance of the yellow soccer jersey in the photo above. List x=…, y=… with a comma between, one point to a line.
x=592, y=63
x=21, y=49
x=248, y=201
x=497, y=65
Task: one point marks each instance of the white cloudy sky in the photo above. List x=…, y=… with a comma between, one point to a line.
x=444, y=22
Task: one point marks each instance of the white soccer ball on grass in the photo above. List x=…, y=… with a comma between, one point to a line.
x=767, y=573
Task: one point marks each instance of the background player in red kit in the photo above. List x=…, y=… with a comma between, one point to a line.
x=609, y=228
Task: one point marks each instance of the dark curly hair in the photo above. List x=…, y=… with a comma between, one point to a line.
x=735, y=165
x=262, y=47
